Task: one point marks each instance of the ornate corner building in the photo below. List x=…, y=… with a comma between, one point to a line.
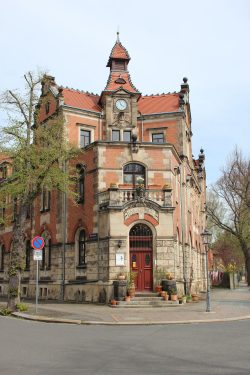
x=141, y=193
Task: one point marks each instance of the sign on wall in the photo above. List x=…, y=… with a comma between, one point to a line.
x=120, y=259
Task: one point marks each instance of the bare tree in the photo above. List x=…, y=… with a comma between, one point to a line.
x=36, y=153
x=228, y=204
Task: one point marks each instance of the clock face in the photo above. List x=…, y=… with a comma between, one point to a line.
x=121, y=104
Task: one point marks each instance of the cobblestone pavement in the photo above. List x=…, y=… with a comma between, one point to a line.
x=226, y=305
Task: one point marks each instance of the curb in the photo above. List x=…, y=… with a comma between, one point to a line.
x=41, y=318
x=45, y=319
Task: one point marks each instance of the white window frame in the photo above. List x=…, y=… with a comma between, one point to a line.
x=88, y=128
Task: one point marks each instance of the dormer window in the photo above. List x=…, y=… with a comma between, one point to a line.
x=157, y=137
x=118, y=65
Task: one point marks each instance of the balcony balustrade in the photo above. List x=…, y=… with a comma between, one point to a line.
x=116, y=197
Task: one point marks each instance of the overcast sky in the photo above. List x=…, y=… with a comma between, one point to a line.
x=206, y=41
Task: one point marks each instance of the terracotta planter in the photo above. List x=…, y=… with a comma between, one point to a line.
x=158, y=288
x=127, y=298
x=121, y=277
x=195, y=297
x=131, y=292
x=113, y=302
x=165, y=297
x=173, y=297
x=163, y=293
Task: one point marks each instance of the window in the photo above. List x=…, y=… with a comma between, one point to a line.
x=80, y=183
x=84, y=138
x=127, y=136
x=133, y=174
x=45, y=200
x=81, y=248
x=2, y=215
x=3, y=172
x=47, y=107
x=2, y=250
x=115, y=135
x=158, y=138
x=27, y=256
x=28, y=211
x=46, y=252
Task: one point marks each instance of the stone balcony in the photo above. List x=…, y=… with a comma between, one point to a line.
x=116, y=198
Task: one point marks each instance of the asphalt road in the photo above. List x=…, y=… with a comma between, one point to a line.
x=34, y=348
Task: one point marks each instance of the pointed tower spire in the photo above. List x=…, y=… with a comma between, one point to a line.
x=119, y=57
x=118, y=37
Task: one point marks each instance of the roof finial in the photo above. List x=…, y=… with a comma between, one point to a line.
x=118, y=39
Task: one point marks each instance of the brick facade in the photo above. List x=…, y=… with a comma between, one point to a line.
x=153, y=132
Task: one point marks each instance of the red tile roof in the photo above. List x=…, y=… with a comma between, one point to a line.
x=118, y=52
x=120, y=79
x=81, y=100
x=158, y=103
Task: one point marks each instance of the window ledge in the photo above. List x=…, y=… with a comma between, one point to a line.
x=82, y=266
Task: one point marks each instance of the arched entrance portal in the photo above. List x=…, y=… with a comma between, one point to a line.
x=141, y=256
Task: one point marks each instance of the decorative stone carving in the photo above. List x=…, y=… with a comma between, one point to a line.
x=141, y=211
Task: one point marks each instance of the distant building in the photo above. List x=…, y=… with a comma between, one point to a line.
x=141, y=193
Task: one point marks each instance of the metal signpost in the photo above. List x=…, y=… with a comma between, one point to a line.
x=38, y=244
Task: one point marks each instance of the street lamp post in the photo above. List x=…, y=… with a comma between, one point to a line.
x=206, y=237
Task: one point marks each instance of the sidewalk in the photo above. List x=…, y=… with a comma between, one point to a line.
x=227, y=305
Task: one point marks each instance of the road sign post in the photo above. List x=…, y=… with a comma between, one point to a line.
x=37, y=244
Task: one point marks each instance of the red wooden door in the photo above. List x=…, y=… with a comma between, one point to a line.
x=141, y=262
x=141, y=253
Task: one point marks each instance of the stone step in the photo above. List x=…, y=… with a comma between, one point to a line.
x=148, y=294
x=136, y=298
x=139, y=304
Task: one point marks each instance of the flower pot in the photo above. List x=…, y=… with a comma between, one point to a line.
x=173, y=297
x=158, y=288
x=113, y=302
x=195, y=297
x=131, y=291
x=121, y=277
x=127, y=298
x=165, y=297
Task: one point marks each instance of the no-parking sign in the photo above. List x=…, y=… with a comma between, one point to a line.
x=37, y=243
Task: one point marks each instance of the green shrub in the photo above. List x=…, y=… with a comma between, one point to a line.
x=5, y=311
x=21, y=307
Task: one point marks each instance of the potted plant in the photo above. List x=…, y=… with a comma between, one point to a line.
x=127, y=298
x=121, y=276
x=131, y=277
x=189, y=298
x=169, y=276
x=184, y=299
x=165, y=297
x=159, y=274
x=173, y=295
x=195, y=297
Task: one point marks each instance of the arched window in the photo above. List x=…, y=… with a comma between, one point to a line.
x=134, y=174
x=81, y=248
x=2, y=251
x=46, y=253
x=80, y=183
x=27, y=256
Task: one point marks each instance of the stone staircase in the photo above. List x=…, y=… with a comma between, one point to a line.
x=146, y=300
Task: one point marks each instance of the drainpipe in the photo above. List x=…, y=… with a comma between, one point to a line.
x=183, y=229
x=64, y=230
x=142, y=127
